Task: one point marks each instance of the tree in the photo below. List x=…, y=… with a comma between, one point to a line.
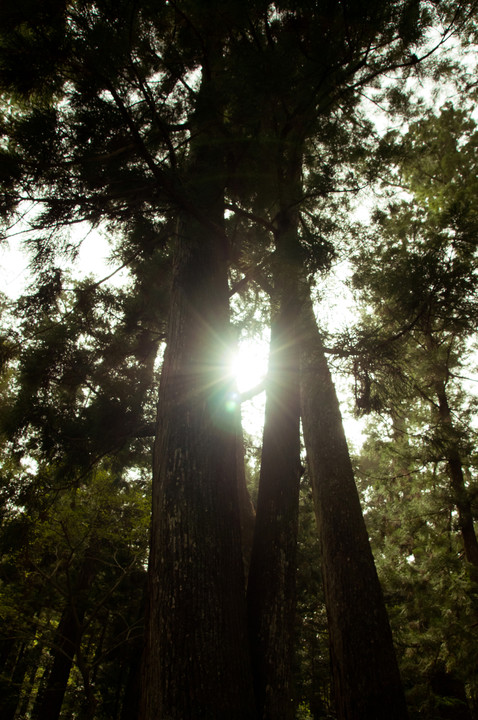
x=93, y=96
x=73, y=550
x=430, y=291
x=271, y=592
x=291, y=118
x=351, y=584
x=196, y=560
x=410, y=357
x=416, y=540
x=313, y=682
x=145, y=124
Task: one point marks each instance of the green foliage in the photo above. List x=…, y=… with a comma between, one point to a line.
x=416, y=275
x=440, y=164
x=82, y=376
x=32, y=42
x=100, y=528
x=418, y=268
x=100, y=121
x=415, y=536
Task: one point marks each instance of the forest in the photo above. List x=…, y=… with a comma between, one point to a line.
x=301, y=173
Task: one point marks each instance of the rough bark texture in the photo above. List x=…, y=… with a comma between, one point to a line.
x=271, y=588
x=457, y=480
x=247, y=512
x=11, y=680
x=67, y=638
x=271, y=591
x=196, y=662
x=366, y=679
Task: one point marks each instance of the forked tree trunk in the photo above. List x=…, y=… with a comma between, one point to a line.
x=366, y=679
x=271, y=593
x=196, y=661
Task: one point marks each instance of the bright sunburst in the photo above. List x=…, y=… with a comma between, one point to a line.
x=249, y=368
x=249, y=363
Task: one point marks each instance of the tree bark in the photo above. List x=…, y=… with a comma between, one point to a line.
x=366, y=679
x=67, y=637
x=451, y=702
x=271, y=592
x=247, y=513
x=196, y=661
x=457, y=480
x=12, y=680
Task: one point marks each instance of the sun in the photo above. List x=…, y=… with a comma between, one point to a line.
x=249, y=363
x=248, y=366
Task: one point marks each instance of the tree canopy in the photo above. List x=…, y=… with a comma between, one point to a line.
x=221, y=147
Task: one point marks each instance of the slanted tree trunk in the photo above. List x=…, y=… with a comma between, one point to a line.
x=457, y=480
x=271, y=591
x=48, y=703
x=131, y=667
x=132, y=689
x=365, y=673
x=247, y=513
x=196, y=660
x=67, y=638
x=451, y=702
x=26, y=688
x=12, y=678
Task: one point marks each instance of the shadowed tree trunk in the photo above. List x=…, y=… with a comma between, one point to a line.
x=457, y=480
x=12, y=678
x=196, y=657
x=196, y=661
x=67, y=638
x=271, y=592
x=451, y=702
x=130, y=703
x=247, y=512
x=365, y=673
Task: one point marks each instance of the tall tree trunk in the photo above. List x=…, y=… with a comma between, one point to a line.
x=12, y=680
x=247, y=513
x=451, y=702
x=196, y=661
x=271, y=593
x=365, y=673
x=67, y=637
x=457, y=480
x=27, y=686
x=131, y=691
x=48, y=703
x=132, y=687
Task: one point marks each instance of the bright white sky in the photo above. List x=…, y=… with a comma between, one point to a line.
x=13, y=270
x=250, y=365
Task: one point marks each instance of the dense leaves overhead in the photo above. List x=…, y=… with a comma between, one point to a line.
x=84, y=372
x=419, y=266
x=110, y=142
x=146, y=120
